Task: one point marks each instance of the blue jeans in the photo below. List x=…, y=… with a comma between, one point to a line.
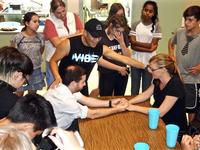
x=49, y=75
x=136, y=76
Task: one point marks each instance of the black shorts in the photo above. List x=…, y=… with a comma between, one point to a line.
x=192, y=97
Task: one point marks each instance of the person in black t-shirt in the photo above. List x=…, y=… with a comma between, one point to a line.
x=111, y=82
x=15, y=68
x=168, y=91
x=86, y=51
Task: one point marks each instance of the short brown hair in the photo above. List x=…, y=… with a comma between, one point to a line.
x=55, y=4
x=192, y=11
x=73, y=73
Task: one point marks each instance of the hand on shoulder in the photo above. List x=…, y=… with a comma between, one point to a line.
x=55, y=83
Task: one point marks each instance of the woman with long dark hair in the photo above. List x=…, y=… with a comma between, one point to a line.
x=118, y=9
x=115, y=9
x=144, y=37
x=111, y=82
x=31, y=43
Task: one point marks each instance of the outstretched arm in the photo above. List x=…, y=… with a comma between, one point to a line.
x=126, y=60
x=94, y=102
x=101, y=112
x=167, y=104
x=143, y=96
x=104, y=63
x=117, y=105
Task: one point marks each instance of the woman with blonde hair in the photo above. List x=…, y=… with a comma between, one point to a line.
x=13, y=139
x=167, y=90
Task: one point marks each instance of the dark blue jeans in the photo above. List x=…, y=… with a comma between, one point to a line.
x=136, y=76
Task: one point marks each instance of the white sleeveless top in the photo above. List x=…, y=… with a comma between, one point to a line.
x=61, y=31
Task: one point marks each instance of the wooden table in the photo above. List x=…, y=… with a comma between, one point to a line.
x=121, y=131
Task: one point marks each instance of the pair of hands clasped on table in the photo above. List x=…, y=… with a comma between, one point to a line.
x=123, y=103
x=67, y=140
x=189, y=143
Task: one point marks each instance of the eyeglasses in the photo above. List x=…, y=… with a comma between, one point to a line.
x=26, y=83
x=151, y=69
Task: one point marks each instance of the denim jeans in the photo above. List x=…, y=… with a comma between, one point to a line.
x=136, y=76
x=49, y=75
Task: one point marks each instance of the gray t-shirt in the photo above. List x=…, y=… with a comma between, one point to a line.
x=30, y=46
x=192, y=56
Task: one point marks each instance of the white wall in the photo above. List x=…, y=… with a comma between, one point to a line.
x=27, y=4
x=74, y=6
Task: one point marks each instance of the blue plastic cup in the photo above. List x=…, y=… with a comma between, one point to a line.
x=141, y=146
x=171, y=135
x=153, y=118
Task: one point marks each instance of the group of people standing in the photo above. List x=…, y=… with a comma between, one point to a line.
x=62, y=25
x=72, y=50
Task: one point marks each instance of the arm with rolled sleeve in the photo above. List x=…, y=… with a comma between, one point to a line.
x=121, y=105
x=65, y=105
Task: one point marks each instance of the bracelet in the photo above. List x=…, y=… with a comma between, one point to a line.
x=110, y=104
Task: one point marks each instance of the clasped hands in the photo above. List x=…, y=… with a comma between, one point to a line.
x=189, y=143
x=122, y=103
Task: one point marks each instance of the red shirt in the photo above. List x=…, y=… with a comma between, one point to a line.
x=50, y=30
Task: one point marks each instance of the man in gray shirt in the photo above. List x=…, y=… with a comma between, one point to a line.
x=187, y=41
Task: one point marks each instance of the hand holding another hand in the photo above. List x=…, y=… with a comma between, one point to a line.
x=121, y=103
x=117, y=101
x=196, y=140
x=187, y=143
x=130, y=107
